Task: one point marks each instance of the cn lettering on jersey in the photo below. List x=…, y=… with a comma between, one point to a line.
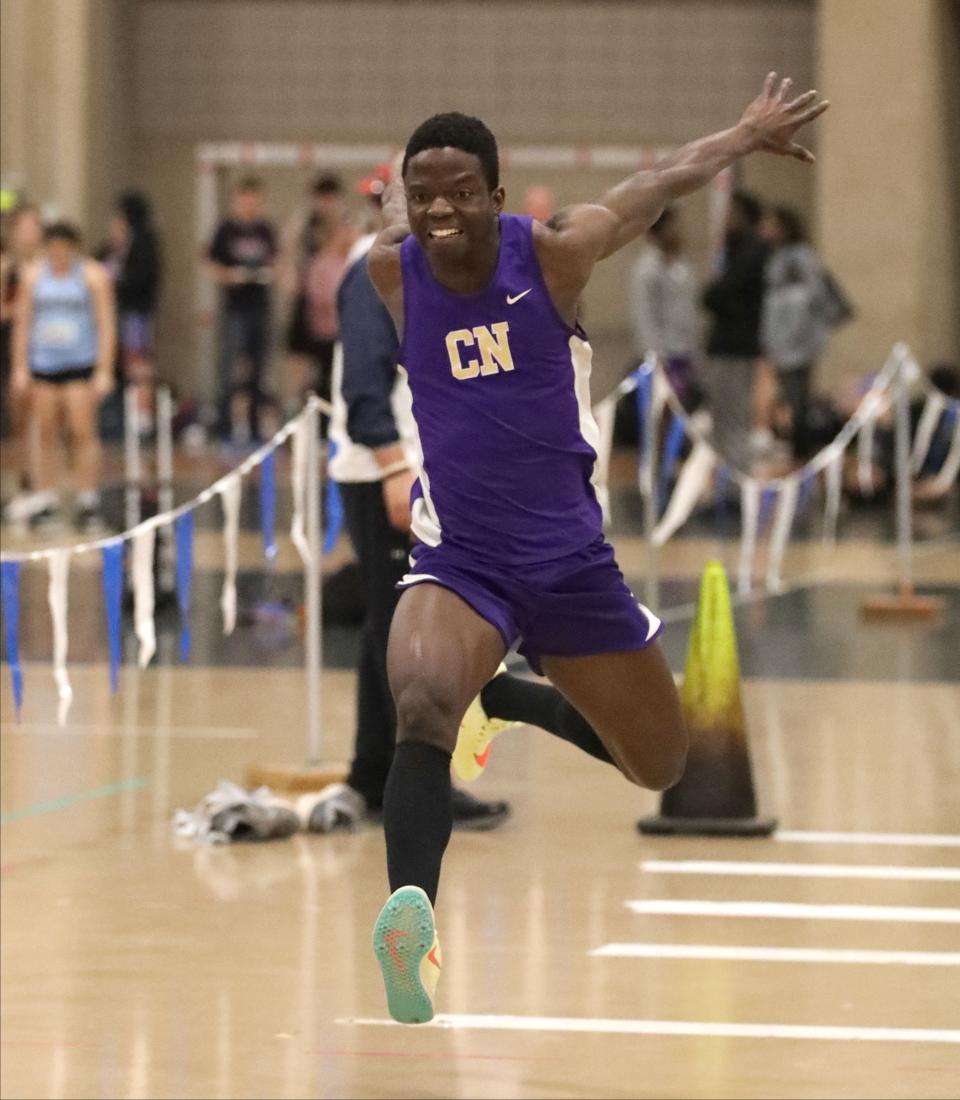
x=492, y=345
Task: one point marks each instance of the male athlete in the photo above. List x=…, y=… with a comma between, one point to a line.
x=510, y=547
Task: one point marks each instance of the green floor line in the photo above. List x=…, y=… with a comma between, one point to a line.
x=65, y=801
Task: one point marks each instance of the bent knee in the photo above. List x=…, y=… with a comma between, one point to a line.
x=424, y=715
x=661, y=766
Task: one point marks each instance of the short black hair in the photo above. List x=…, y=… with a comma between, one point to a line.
x=250, y=183
x=457, y=131
x=749, y=206
x=791, y=224
x=328, y=183
x=134, y=206
x=62, y=231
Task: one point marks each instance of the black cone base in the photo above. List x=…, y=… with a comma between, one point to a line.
x=707, y=826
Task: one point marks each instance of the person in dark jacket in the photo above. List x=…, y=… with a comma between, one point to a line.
x=734, y=299
x=131, y=255
x=373, y=433
x=241, y=260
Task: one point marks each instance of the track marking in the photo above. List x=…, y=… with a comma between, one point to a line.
x=65, y=801
x=676, y=1027
x=800, y=870
x=774, y=954
x=920, y=840
x=35, y=729
x=678, y=907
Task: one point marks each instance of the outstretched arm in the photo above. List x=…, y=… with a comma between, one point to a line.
x=581, y=235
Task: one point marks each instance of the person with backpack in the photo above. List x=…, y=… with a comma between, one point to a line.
x=800, y=306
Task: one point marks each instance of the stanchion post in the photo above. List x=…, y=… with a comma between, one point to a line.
x=906, y=603
x=165, y=484
x=903, y=487
x=648, y=488
x=131, y=457
x=313, y=589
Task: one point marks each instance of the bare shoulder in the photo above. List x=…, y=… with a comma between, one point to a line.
x=29, y=273
x=567, y=247
x=95, y=274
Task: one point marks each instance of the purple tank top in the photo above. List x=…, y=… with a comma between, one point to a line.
x=501, y=400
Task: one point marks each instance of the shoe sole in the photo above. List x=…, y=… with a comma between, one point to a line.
x=402, y=938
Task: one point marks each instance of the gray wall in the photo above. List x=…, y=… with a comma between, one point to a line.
x=642, y=73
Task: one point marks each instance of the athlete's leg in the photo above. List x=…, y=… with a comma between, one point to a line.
x=515, y=699
x=22, y=459
x=231, y=348
x=631, y=701
x=80, y=402
x=258, y=350
x=440, y=654
x=47, y=407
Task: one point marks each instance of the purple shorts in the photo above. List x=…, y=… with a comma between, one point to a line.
x=575, y=606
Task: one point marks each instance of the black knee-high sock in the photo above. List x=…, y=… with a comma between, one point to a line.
x=417, y=815
x=517, y=700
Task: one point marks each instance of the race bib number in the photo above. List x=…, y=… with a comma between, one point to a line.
x=59, y=334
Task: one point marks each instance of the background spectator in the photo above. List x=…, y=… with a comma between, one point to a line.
x=734, y=300
x=374, y=463
x=663, y=310
x=795, y=330
x=540, y=202
x=320, y=231
x=22, y=244
x=241, y=259
x=131, y=255
x=64, y=346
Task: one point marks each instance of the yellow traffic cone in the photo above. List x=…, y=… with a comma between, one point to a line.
x=715, y=796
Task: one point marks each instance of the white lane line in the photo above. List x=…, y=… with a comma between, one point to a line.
x=677, y=907
x=774, y=954
x=921, y=840
x=212, y=733
x=800, y=870
x=676, y=1027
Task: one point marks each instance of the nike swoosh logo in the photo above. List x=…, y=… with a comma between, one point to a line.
x=512, y=299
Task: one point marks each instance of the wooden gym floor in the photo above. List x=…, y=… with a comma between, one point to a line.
x=580, y=960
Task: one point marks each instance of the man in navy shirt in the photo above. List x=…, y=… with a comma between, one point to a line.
x=374, y=463
x=241, y=259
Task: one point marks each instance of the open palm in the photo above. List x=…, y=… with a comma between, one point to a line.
x=773, y=120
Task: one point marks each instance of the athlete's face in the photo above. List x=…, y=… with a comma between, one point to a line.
x=26, y=236
x=450, y=206
x=61, y=253
x=248, y=206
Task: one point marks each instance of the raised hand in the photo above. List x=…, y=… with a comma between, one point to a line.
x=772, y=119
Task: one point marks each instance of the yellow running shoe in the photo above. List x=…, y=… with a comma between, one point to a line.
x=405, y=940
x=477, y=732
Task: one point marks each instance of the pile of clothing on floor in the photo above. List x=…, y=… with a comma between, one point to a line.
x=230, y=813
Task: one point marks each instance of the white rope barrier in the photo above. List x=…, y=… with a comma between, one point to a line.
x=897, y=374
x=304, y=430
x=313, y=405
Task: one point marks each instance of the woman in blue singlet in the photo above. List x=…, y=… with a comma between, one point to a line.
x=64, y=343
